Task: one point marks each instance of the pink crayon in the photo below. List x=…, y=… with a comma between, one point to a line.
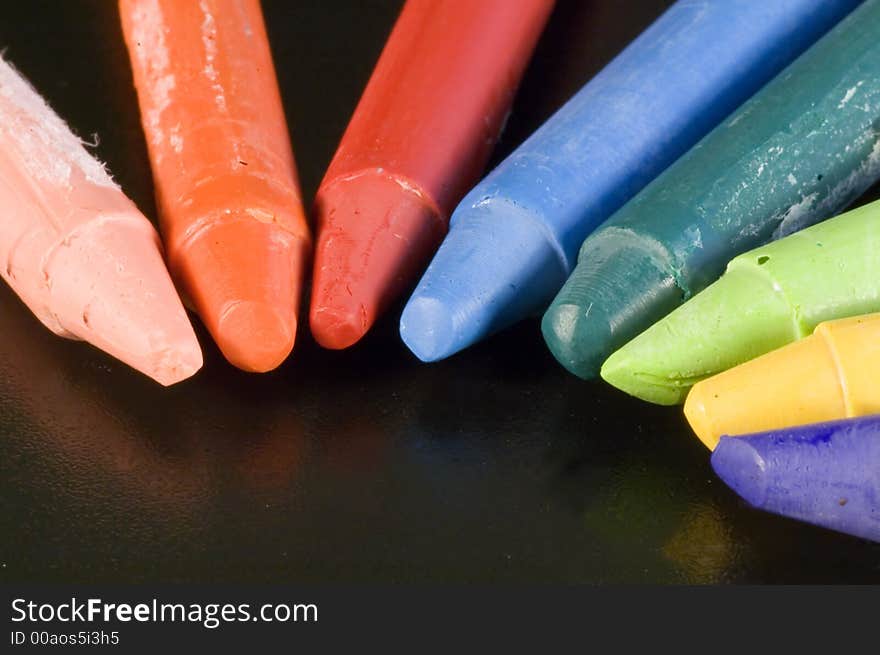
x=77, y=251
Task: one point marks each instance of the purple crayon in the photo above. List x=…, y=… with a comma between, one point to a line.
x=827, y=474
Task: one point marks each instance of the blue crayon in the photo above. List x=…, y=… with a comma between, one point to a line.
x=514, y=238
x=827, y=474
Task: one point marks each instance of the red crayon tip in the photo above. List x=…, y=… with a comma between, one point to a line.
x=376, y=231
x=243, y=277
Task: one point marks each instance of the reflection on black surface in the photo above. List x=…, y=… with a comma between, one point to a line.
x=55, y=410
x=480, y=468
x=703, y=547
x=358, y=465
x=70, y=410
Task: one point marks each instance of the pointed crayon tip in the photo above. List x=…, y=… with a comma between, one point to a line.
x=741, y=467
x=376, y=232
x=619, y=287
x=255, y=336
x=337, y=328
x=177, y=361
x=435, y=335
x=243, y=276
x=734, y=320
x=494, y=268
x=110, y=288
x=577, y=337
x=823, y=473
x=625, y=371
x=806, y=381
x=697, y=411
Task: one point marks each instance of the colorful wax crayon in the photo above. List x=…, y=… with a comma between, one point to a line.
x=514, y=237
x=799, y=151
x=77, y=251
x=827, y=474
x=829, y=375
x=226, y=184
x=768, y=297
x=418, y=140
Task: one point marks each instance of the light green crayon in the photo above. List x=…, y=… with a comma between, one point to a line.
x=768, y=297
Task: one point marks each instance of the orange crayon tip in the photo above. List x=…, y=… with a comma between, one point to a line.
x=255, y=336
x=376, y=231
x=243, y=277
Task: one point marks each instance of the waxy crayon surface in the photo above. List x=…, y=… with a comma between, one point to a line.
x=802, y=149
x=768, y=297
x=77, y=251
x=513, y=240
x=829, y=375
x=419, y=138
x=360, y=465
x=827, y=474
x=226, y=184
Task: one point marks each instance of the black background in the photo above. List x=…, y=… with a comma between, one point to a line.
x=363, y=465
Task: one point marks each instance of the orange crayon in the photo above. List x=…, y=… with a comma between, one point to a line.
x=226, y=184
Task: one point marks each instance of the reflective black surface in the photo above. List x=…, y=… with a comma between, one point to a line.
x=360, y=465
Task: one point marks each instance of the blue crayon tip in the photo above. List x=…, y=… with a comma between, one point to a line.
x=827, y=474
x=497, y=264
x=428, y=328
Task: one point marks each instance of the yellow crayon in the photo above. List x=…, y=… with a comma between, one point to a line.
x=829, y=375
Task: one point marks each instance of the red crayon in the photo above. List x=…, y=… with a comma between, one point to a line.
x=418, y=140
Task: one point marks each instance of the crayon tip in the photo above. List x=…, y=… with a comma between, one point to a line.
x=823, y=473
x=697, y=412
x=619, y=287
x=177, y=360
x=376, y=231
x=576, y=337
x=255, y=336
x=337, y=328
x=243, y=276
x=110, y=287
x=436, y=337
x=623, y=371
x=494, y=268
x=739, y=317
x=741, y=467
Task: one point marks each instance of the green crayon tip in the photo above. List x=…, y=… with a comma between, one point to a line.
x=736, y=319
x=769, y=297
